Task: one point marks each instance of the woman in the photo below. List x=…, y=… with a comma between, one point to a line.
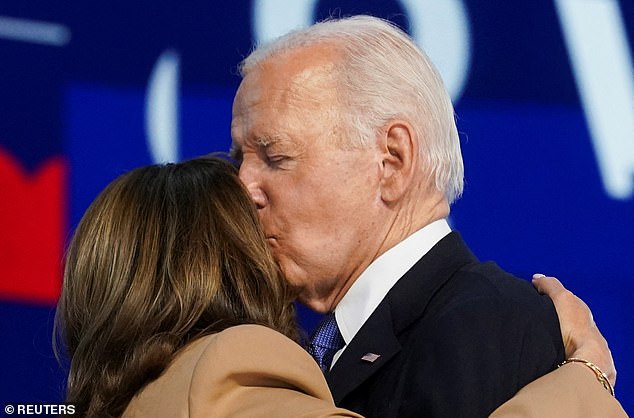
x=165, y=256
x=173, y=306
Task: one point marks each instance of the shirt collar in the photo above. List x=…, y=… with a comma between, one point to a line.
x=376, y=281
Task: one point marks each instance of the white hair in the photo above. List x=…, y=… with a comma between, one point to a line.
x=383, y=76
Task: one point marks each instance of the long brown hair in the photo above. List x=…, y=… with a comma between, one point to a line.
x=164, y=255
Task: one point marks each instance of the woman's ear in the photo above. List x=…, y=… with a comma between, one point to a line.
x=399, y=159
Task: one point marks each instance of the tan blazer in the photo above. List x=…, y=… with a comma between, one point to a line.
x=244, y=371
x=252, y=371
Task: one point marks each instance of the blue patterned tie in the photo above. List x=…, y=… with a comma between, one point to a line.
x=325, y=342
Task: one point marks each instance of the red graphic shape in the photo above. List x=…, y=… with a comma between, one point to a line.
x=32, y=228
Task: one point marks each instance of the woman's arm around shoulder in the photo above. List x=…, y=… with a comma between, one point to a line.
x=571, y=391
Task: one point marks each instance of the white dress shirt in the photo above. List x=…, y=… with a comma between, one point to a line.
x=375, y=282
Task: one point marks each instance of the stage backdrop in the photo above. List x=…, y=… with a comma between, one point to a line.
x=544, y=94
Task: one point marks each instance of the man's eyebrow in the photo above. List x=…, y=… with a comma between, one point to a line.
x=235, y=150
x=265, y=141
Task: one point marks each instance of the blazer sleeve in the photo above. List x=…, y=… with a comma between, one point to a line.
x=568, y=392
x=253, y=371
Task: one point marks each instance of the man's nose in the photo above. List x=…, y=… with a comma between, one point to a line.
x=250, y=180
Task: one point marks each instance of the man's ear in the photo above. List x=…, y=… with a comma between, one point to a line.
x=399, y=159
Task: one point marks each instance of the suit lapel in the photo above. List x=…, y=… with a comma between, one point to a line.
x=375, y=337
x=404, y=303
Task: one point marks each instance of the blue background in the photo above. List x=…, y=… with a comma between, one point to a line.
x=534, y=199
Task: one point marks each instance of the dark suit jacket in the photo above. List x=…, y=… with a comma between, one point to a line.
x=456, y=338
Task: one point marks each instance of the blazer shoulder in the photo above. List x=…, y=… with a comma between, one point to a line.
x=242, y=337
x=252, y=371
x=488, y=282
x=253, y=349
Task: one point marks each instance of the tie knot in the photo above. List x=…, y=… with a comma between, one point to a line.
x=326, y=341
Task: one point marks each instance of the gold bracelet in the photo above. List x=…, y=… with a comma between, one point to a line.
x=601, y=377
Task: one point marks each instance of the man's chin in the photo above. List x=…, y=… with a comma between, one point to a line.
x=304, y=293
x=314, y=304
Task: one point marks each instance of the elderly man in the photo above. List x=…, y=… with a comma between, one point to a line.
x=348, y=145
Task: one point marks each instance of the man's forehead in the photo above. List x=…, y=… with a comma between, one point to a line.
x=284, y=96
x=300, y=74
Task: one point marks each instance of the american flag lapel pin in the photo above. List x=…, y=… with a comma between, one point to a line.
x=370, y=357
